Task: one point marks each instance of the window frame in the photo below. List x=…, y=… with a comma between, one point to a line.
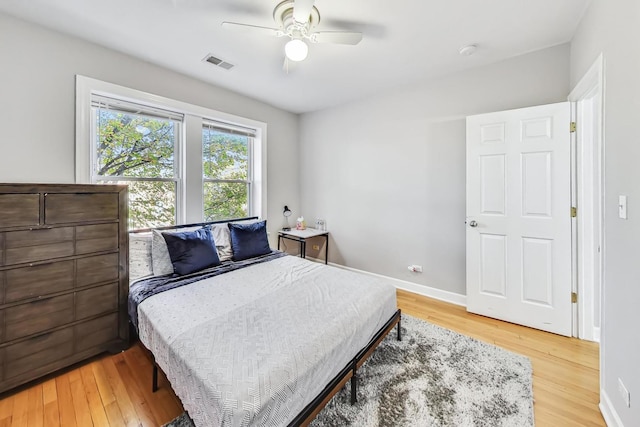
x=190, y=207
x=207, y=124
x=177, y=157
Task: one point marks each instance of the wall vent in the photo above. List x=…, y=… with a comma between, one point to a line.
x=218, y=62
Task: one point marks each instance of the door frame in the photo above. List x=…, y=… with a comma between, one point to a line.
x=588, y=96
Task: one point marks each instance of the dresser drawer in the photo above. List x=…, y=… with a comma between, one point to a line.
x=91, y=302
x=28, y=282
x=38, y=316
x=38, y=244
x=96, y=269
x=19, y=210
x=96, y=238
x=62, y=208
x=96, y=332
x=37, y=352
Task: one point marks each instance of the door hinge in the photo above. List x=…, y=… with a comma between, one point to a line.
x=574, y=297
x=572, y=127
x=574, y=212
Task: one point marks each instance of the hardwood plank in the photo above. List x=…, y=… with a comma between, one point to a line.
x=171, y=404
x=65, y=401
x=134, y=389
x=102, y=381
x=96, y=407
x=123, y=400
x=50, y=401
x=51, y=414
x=142, y=373
x=35, y=408
x=114, y=415
x=6, y=410
x=20, y=409
x=80, y=403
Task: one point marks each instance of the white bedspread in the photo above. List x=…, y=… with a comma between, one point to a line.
x=256, y=345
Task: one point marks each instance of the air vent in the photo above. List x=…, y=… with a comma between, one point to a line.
x=218, y=62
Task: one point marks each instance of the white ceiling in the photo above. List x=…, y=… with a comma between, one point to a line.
x=405, y=41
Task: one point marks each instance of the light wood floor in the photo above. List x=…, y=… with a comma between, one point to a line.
x=116, y=390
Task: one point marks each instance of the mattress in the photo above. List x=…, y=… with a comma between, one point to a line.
x=254, y=346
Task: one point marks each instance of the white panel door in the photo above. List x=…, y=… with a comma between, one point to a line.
x=519, y=216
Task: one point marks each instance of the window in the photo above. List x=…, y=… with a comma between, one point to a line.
x=226, y=166
x=138, y=146
x=183, y=163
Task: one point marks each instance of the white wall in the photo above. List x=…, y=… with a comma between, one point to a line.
x=388, y=172
x=37, y=107
x=612, y=27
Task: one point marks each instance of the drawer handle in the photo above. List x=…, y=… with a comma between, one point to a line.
x=40, y=299
x=44, y=227
x=41, y=264
x=41, y=337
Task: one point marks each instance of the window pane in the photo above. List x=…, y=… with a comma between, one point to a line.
x=151, y=203
x=224, y=200
x=224, y=156
x=133, y=145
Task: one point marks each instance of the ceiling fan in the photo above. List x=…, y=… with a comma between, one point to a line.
x=296, y=20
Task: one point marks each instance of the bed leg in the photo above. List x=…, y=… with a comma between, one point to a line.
x=354, y=386
x=400, y=329
x=354, y=382
x=154, y=385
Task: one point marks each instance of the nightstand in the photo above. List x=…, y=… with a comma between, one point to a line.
x=301, y=237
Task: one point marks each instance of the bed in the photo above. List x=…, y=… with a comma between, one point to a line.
x=264, y=340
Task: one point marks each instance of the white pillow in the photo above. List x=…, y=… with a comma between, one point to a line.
x=222, y=239
x=160, y=254
x=140, y=263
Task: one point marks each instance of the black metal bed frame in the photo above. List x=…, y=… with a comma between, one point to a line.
x=348, y=372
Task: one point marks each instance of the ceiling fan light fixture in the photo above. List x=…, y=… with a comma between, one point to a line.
x=296, y=50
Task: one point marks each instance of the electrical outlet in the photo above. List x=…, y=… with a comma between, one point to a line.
x=624, y=393
x=316, y=247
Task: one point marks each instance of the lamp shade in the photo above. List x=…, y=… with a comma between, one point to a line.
x=296, y=50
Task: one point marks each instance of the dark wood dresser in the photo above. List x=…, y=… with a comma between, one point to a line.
x=63, y=276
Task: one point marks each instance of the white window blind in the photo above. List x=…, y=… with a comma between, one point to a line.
x=104, y=102
x=229, y=128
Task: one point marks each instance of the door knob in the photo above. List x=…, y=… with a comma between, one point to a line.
x=473, y=224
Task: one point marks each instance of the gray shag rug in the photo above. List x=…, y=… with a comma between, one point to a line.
x=433, y=377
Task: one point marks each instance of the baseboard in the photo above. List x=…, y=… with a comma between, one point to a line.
x=423, y=290
x=608, y=411
x=596, y=334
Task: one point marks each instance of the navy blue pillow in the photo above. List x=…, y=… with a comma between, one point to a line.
x=249, y=240
x=191, y=251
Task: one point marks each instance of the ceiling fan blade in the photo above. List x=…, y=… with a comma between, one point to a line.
x=338, y=37
x=253, y=29
x=302, y=10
